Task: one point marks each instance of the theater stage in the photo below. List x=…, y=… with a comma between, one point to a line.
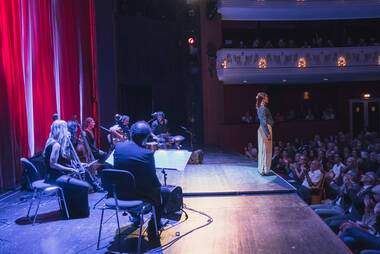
x=248, y=213
x=224, y=173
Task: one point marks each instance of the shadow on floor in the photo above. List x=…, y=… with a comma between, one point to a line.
x=42, y=218
x=127, y=241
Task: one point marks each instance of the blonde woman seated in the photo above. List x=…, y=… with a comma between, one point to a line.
x=58, y=155
x=57, y=152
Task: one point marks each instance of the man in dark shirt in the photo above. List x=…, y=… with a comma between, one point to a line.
x=132, y=156
x=160, y=125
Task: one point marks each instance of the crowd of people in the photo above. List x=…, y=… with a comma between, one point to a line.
x=327, y=113
x=316, y=42
x=345, y=172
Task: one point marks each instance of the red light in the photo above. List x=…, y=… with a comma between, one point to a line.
x=191, y=41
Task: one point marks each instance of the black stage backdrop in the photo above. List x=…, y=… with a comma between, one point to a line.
x=154, y=71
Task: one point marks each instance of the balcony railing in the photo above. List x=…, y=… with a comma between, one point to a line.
x=295, y=65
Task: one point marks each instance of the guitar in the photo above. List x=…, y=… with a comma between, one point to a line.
x=116, y=135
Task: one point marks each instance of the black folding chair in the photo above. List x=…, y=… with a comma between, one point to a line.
x=120, y=185
x=41, y=189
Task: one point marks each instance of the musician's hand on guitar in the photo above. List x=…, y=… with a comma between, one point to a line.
x=71, y=170
x=155, y=137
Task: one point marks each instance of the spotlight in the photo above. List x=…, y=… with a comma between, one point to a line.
x=191, y=40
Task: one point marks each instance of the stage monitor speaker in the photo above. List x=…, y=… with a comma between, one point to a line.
x=172, y=199
x=76, y=196
x=196, y=157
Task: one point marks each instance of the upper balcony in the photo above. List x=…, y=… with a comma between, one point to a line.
x=276, y=10
x=298, y=65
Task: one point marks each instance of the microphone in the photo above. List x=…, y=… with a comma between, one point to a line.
x=155, y=114
x=186, y=130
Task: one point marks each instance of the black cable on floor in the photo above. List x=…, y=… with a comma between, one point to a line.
x=169, y=244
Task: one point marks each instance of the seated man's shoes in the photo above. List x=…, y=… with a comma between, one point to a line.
x=152, y=234
x=97, y=187
x=135, y=220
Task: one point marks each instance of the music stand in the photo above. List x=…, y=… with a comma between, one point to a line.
x=171, y=159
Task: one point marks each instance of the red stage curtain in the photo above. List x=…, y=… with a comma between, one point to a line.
x=44, y=99
x=46, y=66
x=13, y=133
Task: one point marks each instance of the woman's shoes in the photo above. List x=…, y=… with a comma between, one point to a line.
x=270, y=173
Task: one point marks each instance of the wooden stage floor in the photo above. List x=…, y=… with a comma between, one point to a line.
x=259, y=215
x=224, y=173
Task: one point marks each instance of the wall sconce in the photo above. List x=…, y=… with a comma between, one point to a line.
x=306, y=95
x=342, y=61
x=378, y=60
x=366, y=96
x=301, y=62
x=262, y=63
x=224, y=64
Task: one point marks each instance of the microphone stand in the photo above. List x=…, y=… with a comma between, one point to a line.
x=151, y=120
x=191, y=137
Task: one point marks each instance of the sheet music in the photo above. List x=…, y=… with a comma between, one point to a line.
x=110, y=159
x=168, y=159
x=172, y=159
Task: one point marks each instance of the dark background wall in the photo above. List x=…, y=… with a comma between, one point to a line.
x=149, y=68
x=107, y=85
x=211, y=36
x=239, y=99
x=147, y=59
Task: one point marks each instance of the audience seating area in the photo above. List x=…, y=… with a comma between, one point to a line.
x=339, y=177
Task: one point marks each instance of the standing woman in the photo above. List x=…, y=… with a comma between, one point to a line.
x=264, y=134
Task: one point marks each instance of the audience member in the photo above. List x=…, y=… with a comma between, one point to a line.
x=247, y=118
x=356, y=210
x=250, y=151
x=313, y=177
x=364, y=234
x=268, y=44
x=309, y=116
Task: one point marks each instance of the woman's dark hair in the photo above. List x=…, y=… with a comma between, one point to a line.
x=88, y=121
x=259, y=98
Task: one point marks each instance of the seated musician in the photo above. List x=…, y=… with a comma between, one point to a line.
x=160, y=131
x=89, y=125
x=72, y=127
x=57, y=152
x=132, y=156
x=58, y=155
x=160, y=125
x=120, y=131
